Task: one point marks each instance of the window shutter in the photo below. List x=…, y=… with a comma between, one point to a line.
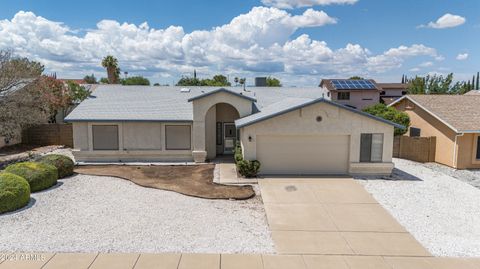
x=365, y=147
x=377, y=147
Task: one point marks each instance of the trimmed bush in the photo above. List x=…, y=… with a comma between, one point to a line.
x=238, y=156
x=40, y=176
x=248, y=168
x=245, y=168
x=63, y=164
x=14, y=192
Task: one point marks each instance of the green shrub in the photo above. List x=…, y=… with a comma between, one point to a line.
x=63, y=164
x=238, y=156
x=14, y=192
x=248, y=168
x=391, y=114
x=40, y=176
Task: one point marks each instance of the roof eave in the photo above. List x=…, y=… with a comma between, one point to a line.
x=221, y=90
x=428, y=111
x=318, y=101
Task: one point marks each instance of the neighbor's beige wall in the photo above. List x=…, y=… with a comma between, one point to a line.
x=138, y=141
x=430, y=126
x=358, y=99
x=467, y=151
x=336, y=121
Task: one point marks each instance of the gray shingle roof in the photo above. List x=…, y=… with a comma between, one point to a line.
x=291, y=104
x=153, y=103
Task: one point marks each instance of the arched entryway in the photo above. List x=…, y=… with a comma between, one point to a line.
x=220, y=131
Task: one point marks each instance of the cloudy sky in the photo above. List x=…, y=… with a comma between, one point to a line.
x=298, y=41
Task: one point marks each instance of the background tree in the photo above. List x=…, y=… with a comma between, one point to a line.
x=90, y=79
x=77, y=93
x=391, y=114
x=20, y=102
x=273, y=82
x=136, y=80
x=104, y=80
x=113, y=71
x=216, y=81
x=236, y=80
x=437, y=84
x=356, y=77
x=477, y=86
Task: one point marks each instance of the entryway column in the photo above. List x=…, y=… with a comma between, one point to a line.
x=199, y=152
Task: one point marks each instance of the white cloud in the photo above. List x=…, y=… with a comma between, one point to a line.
x=259, y=41
x=289, y=4
x=462, y=56
x=446, y=21
x=426, y=64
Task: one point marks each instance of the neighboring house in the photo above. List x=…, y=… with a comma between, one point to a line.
x=392, y=92
x=289, y=130
x=455, y=122
x=355, y=93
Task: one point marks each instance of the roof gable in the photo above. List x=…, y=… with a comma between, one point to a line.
x=203, y=95
x=458, y=112
x=292, y=104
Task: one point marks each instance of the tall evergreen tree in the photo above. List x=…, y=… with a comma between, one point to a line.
x=477, y=87
x=403, y=79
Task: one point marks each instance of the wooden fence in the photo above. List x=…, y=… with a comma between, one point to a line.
x=49, y=134
x=419, y=149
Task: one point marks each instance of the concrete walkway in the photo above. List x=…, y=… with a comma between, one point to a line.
x=332, y=216
x=226, y=261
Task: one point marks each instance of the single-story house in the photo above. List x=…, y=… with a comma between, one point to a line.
x=355, y=93
x=453, y=119
x=289, y=130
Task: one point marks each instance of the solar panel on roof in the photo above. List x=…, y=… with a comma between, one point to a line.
x=352, y=84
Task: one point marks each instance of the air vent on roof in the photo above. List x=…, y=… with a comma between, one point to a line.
x=184, y=90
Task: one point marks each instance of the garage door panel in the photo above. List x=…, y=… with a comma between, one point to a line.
x=293, y=154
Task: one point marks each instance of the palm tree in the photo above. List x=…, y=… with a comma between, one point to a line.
x=111, y=64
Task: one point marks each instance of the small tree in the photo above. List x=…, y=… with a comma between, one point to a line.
x=90, y=79
x=273, y=82
x=391, y=114
x=137, y=80
x=356, y=78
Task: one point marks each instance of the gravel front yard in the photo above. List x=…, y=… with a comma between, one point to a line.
x=443, y=213
x=104, y=214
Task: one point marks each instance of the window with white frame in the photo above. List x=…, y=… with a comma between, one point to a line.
x=371, y=148
x=105, y=137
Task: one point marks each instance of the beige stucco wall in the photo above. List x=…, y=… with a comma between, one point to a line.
x=201, y=107
x=335, y=121
x=221, y=112
x=138, y=141
x=80, y=135
x=430, y=126
x=358, y=99
x=467, y=147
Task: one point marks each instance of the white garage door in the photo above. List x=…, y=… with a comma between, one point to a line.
x=303, y=155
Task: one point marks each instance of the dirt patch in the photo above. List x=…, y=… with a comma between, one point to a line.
x=192, y=180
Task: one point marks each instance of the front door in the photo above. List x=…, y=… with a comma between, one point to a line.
x=229, y=138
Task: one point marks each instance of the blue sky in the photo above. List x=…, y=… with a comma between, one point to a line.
x=299, y=44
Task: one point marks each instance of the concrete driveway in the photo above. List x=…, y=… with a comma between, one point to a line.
x=332, y=216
